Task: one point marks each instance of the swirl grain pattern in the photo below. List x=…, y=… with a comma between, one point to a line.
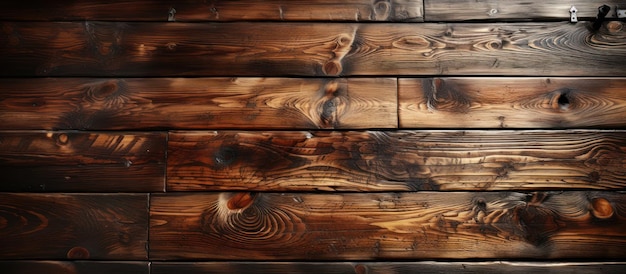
x=417, y=225
x=197, y=103
x=405, y=160
x=82, y=161
x=133, y=49
x=502, y=102
x=73, y=226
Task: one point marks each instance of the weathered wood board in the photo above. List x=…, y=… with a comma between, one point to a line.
x=467, y=10
x=197, y=103
x=82, y=161
x=310, y=49
x=387, y=267
x=396, y=161
x=74, y=226
x=418, y=225
x=73, y=267
x=202, y=10
x=501, y=102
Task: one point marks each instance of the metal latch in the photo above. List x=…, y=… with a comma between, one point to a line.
x=572, y=14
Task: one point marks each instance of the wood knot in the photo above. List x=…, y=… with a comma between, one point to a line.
x=601, y=208
x=78, y=253
x=171, y=46
x=62, y=139
x=360, y=269
x=382, y=10
x=332, y=68
x=225, y=156
x=240, y=201
x=614, y=26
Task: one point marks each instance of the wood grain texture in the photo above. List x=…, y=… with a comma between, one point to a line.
x=511, y=102
x=82, y=161
x=73, y=226
x=388, y=267
x=73, y=267
x=198, y=10
x=310, y=49
x=396, y=161
x=467, y=10
x=197, y=103
x=418, y=225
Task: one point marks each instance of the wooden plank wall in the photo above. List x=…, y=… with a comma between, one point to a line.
x=360, y=136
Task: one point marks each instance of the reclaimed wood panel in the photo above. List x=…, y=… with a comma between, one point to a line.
x=388, y=267
x=201, y=10
x=467, y=10
x=396, y=161
x=417, y=225
x=73, y=267
x=73, y=226
x=511, y=102
x=197, y=103
x=82, y=161
x=310, y=49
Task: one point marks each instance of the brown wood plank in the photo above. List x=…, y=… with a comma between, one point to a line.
x=387, y=267
x=198, y=103
x=310, y=49
x=417, y=225
x=82, y=161
x=396, y=161
x=512, y=102
x=73, y=226
x=73, y=267
x=465, y=10
x=202, y=10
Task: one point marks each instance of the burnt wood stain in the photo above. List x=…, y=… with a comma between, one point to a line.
x=355, y=136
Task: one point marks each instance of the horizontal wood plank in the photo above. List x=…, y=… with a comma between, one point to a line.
x=197, y=103
x=310, y=49
x=387, y=267
x=73, y=226
x=199, y=10
x=396, y=161
x=511, y=102
x=467, y=10
x=417, y=225
x=73, y=267
x=82, y=161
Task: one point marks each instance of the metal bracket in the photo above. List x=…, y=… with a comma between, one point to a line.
x=621, y=13
x=171, y=15
x=572, y=14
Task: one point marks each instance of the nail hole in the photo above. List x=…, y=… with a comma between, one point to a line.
x=563, y=101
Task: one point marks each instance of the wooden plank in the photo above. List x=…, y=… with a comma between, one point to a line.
x=511, y=102
x=467, y=10
x=310, y=49
x=417, y=225
x=73, y=226
x=197, y=10
x=198, y=103
x=396, y=161
x=73, y=267
x=387, y=267
x=82, y=161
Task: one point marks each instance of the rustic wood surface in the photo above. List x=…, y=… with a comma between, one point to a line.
x=197, y=103
x=202, y=10
x=500, y=102
x=466, y=10
x=310, y=49
x=82, y=161
x=388, y=267
x=369, y=226
x=396, y=161
x=73, y=226
x=73, y=267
